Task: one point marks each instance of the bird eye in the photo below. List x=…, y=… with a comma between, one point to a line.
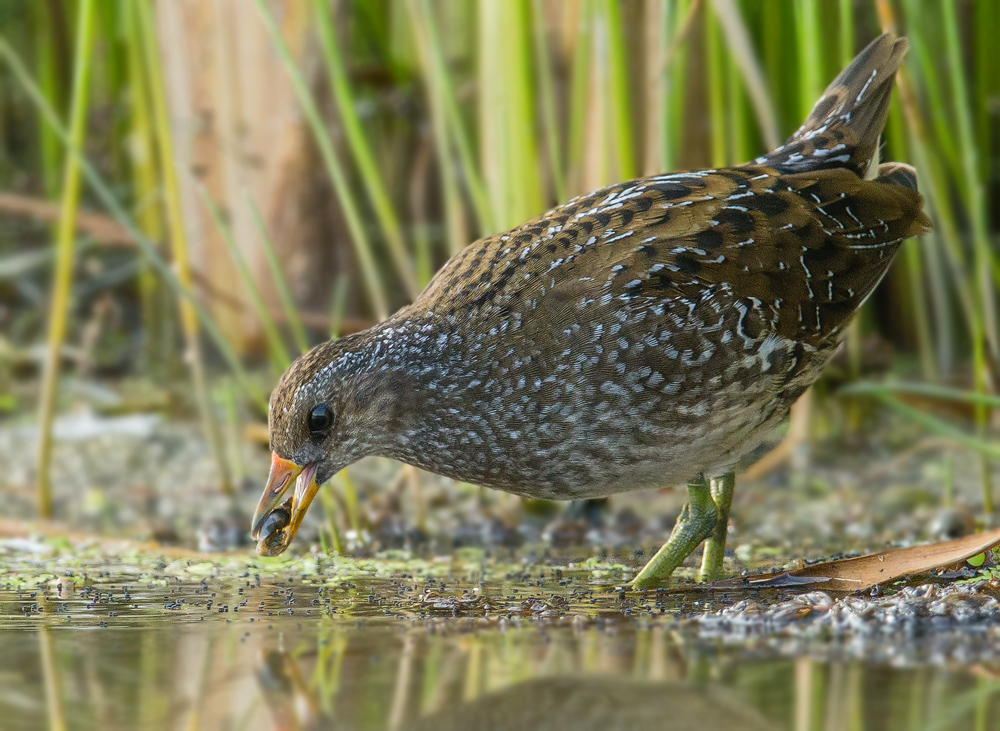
x=320, y=419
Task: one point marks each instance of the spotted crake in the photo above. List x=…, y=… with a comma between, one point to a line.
x=640, y=336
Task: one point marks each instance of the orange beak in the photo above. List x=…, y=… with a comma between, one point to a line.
x=278, y=517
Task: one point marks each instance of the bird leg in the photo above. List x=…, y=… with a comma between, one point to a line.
x=695, y=523
x=715, y=546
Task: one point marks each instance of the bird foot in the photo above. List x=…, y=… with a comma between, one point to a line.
x=715, y=546
x=705, y=516
x=696, y=523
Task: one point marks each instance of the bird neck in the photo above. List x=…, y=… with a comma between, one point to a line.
x=401, y=384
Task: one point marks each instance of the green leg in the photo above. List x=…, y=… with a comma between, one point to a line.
x=694, y=525
x=715, y=546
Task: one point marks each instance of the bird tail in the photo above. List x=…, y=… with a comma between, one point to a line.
x=844, y=126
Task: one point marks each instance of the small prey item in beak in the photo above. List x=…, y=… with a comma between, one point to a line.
x=279, y=514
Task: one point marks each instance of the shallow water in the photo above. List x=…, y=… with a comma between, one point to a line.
x=202, y=646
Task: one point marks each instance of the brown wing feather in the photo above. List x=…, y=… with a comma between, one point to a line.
x=667, y=265
x=806, y=248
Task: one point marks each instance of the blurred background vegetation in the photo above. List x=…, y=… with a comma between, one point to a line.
x=192, y=192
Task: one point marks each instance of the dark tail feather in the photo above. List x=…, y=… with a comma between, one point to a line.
x=903, y=178
x=897, y=173
x=844, y=126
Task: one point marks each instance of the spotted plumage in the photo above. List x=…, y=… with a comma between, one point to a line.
x=633, y=337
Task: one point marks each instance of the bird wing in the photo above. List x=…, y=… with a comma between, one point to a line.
x=800, y=250
x=688, y=267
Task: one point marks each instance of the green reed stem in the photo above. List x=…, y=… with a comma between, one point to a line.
x=921, y=300
x=436, y=80
x=933, y=184
x=117, y=212
x=234, y=429
x=931, y=86
x=943, y=428
x=357, y=143
x=338, y=304
x=523, y=182
x=179, y=246
x=809, y=39
x=330, y=510
x=720, y=155
x=351, y=501
x=975, y=194
x=48, y=81
x=442, y=90
x=986, y=21
x=845, y=9
x=63, y=276
x=744, y=65
x=928, y=390
x=547, y=94
x=618, y=78
x=578, y=102
x=654, y=127
x=278, y=353
x=975, y=204
x=345, y=195
x=288, y=306
x=145, y=176
x=678, y=67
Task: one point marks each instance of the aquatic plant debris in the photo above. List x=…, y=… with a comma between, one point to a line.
x=863, y=572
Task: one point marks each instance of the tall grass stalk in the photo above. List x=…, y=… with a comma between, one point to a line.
x=357, y=143
x=454, y=131
x=620, y=127
x=525, y=194
x=580, y=73
x=716, y=82
x=234, y=429
x=277, y=351
x=975, y=300
x=546, y=95
x=986, y=21
x=148, y=211
x=677, y=65
x=920, y=277
x=845, y=48
x=975, y=195
x=179, y=246
x=809, y=39
x=119, y=214
x=655, y=130
x=345, y=196
x=744, y=61
x=976, y=209
x=494, y=111
x=288, y=306
x=436, y=91
x=351, y=501
x=338, y=304
x=63, y=277
x=855, y=341
x=508, y=145
x=330, y=511
x=49, y=83
x=928, y=390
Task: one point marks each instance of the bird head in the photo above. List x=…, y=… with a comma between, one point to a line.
x=316, y=418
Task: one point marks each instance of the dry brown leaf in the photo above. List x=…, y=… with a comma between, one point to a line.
x=864, y=572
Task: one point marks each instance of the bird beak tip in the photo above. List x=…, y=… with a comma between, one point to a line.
x=279, y=482
x=279, y=515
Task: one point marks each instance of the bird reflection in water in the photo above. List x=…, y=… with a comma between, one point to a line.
x=579, y=702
